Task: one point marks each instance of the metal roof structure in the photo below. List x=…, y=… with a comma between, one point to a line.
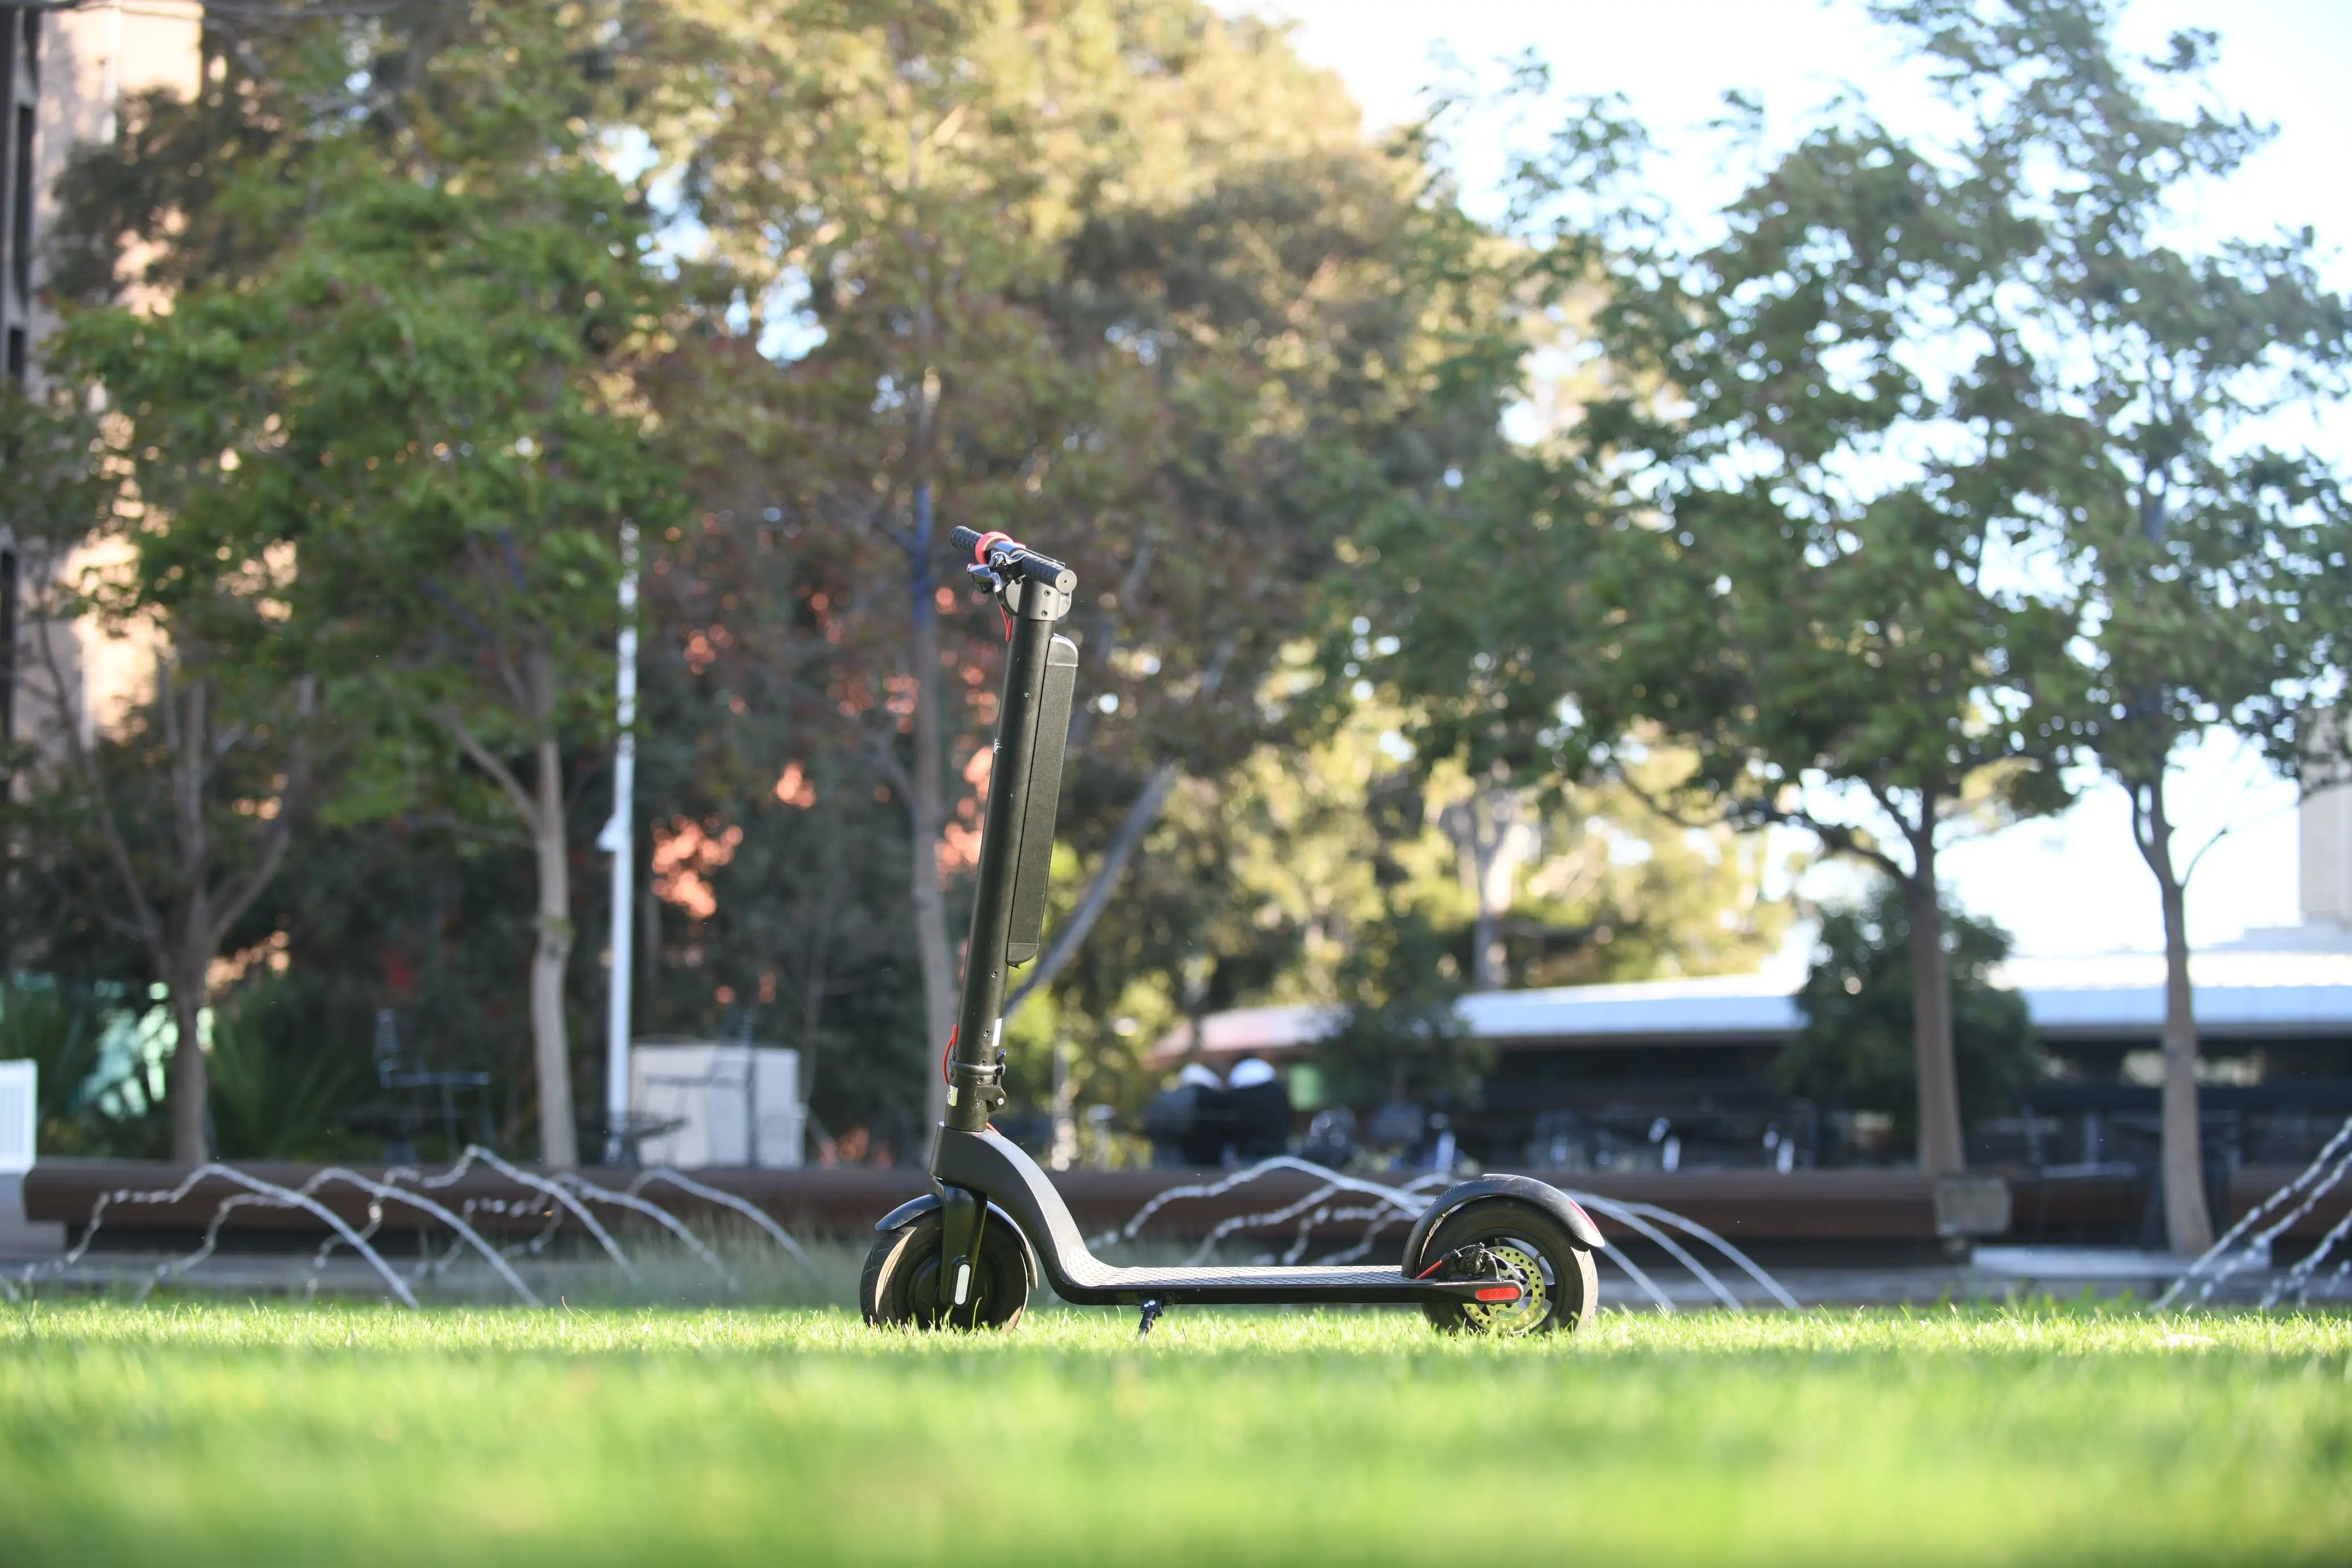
x=2242, y=993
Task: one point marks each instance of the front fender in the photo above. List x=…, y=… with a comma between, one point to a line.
x=1523, y=1189
x=914, y=1209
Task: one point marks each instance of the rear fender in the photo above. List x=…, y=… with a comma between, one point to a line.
x=1520, y=1189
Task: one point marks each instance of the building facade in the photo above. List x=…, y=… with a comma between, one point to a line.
x=63, y=77
x=1677, y=1074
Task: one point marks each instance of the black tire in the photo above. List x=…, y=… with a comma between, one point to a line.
x=900, y=1287
x=1566, y=1287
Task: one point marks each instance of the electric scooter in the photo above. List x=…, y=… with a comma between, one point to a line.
x=1497, y=1255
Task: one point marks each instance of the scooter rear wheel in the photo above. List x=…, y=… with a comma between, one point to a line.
x=900, y=1287
x=1561, y=1283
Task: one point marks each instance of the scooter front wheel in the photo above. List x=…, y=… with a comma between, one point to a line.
x=900, y=1287
x=1559, y=1287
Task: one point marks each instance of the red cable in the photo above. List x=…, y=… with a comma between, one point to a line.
x=980, y=557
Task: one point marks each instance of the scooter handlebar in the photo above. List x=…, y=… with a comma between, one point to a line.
x=1008, y=554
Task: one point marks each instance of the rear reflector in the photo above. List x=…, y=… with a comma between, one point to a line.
x=1498, y=1292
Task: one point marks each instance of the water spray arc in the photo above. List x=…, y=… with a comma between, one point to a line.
x=255, y=1191
x=1393, y=1205
x=555, y=1199
x=2237, y=1250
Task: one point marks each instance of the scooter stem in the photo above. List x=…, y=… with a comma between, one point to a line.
x=975, y=1068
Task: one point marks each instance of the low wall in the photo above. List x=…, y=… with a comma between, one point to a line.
x=1746, y=1206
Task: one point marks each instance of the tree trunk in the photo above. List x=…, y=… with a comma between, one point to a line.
x=550, y=1046
x=1941, y=1152
x=189, y=1080
x=182, y=930
x=2188, y=1224
x=925, y=812
x=1489, y=966
x=187, y=977
x=1492, y=840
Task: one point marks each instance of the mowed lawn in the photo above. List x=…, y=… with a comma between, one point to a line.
x=339, y=1435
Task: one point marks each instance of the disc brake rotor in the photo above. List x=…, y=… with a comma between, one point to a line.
x=1520, y=1265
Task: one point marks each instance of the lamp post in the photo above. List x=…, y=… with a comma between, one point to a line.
x=619, y=841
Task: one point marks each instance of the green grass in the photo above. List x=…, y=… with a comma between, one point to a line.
x=342, y=1435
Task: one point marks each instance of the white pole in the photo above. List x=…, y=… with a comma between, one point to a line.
x=619, y=840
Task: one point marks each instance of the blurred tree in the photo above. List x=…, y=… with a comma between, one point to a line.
x=276, y=1095
x=1854, y=1051
x=1397, y=1038
x=1123, y=281
x=1768, y=538
x=416, y=912
x=1613, y=891
x=2122, y=380
x=424, y=391
x=1127, y=279
x=176, y=815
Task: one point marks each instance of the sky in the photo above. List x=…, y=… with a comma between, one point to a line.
x=2073, y=883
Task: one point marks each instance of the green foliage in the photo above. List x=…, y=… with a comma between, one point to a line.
x=279, y=1089
x=422, y=389
x=1930, y=469
x=1400, y=1037
x=1184, y=325
x=808, y=938
x=388, y=439
x=56, y=1031
x=458, y=286
x=1622, y=892
x=1760, y=586
x=1077, y=323
x=100, y=1090
x=1856, y=1051
x=418, y=914
x=2141, y=380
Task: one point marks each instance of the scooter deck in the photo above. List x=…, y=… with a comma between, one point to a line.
x=1096, y=1281
x=990, y=1163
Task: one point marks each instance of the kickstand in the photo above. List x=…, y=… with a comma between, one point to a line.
x=1152, y=1310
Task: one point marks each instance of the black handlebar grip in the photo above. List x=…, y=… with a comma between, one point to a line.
x=1012, y=555
x=1046, y=570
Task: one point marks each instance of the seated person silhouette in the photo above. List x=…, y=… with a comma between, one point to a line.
x=1260, y=1109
